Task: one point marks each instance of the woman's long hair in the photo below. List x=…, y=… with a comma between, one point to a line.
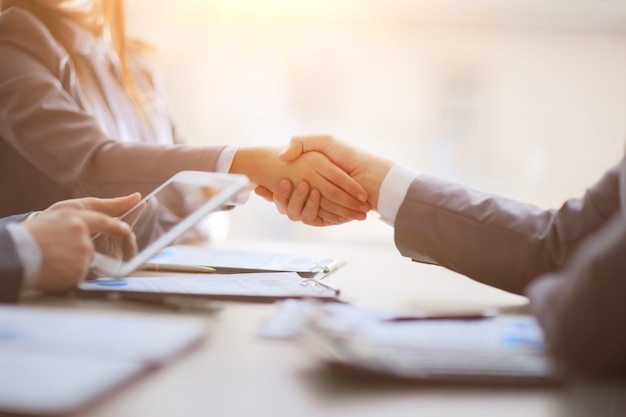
x=105, y=13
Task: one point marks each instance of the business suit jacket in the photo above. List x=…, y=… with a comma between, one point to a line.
x=571, y=262
x=67, y=133
x=11, y=270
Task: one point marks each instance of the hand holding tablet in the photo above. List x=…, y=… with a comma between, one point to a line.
x=192, y=195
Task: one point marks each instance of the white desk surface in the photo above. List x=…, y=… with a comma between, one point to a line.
x=234, y=373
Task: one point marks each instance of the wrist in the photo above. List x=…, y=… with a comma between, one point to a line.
x=257, y=163
x=373, y=178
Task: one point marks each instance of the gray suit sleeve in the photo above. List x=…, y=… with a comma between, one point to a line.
x=495, y=240
x=43, y=121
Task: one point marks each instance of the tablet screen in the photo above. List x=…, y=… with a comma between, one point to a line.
x=164, y=216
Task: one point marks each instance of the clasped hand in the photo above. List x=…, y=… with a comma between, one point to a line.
x=361, y=175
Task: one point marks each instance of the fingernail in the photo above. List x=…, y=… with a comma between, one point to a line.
x=362, y=197
x=364, y=208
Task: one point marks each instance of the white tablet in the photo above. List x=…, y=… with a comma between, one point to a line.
x=181, y=203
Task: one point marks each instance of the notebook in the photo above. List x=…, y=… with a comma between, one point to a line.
x=259, y=286
x=56, y=362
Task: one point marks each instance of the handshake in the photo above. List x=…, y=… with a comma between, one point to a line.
x=357, y=182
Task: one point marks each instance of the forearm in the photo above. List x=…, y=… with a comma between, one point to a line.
x=259, y=164
x=115, y=170
x=497, y=241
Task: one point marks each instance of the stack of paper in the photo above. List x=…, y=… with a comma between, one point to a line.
x=56, y=362
x=471, y=349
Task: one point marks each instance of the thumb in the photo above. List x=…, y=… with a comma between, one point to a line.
x=115, y=206
x=301, y=144
x=293, y=151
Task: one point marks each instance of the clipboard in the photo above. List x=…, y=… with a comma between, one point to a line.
x=261, y=286
x=234, y=261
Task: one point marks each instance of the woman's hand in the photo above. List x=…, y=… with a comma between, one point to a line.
x=341, y=198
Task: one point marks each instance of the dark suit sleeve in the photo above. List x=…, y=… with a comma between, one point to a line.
x=10, y=267
x=495, y=240
x=582, y=308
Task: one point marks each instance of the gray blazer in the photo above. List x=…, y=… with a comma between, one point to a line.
x=53, y=146
x=10, y=266
x=570, y=261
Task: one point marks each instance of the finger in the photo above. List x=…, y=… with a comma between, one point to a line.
x=342, y=180
x=298, y=200
x=342, y=213
x=76, y=203
x=113, y=206
x=129, y=244
x=332, y=175
x=341, y=197
x=329, y=218
x=282, y=195
x=311, y=208
x=102, y=223
x=265, y=193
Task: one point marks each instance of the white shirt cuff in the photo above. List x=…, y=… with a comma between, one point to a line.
x=224, y=162
x=28, y=252
x=393, y=191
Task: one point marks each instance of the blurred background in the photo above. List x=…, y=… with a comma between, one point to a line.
x=523, y=98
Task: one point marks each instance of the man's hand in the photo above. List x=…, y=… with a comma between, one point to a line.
x=64, y=234
x=301, y=204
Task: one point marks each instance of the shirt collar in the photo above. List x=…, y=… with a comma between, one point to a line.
x=85, y=43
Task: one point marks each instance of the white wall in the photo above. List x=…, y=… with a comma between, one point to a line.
x=527, y=98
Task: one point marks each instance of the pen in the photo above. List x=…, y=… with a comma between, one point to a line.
x=325, y=285
x=177, y=268
x=452, y=316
